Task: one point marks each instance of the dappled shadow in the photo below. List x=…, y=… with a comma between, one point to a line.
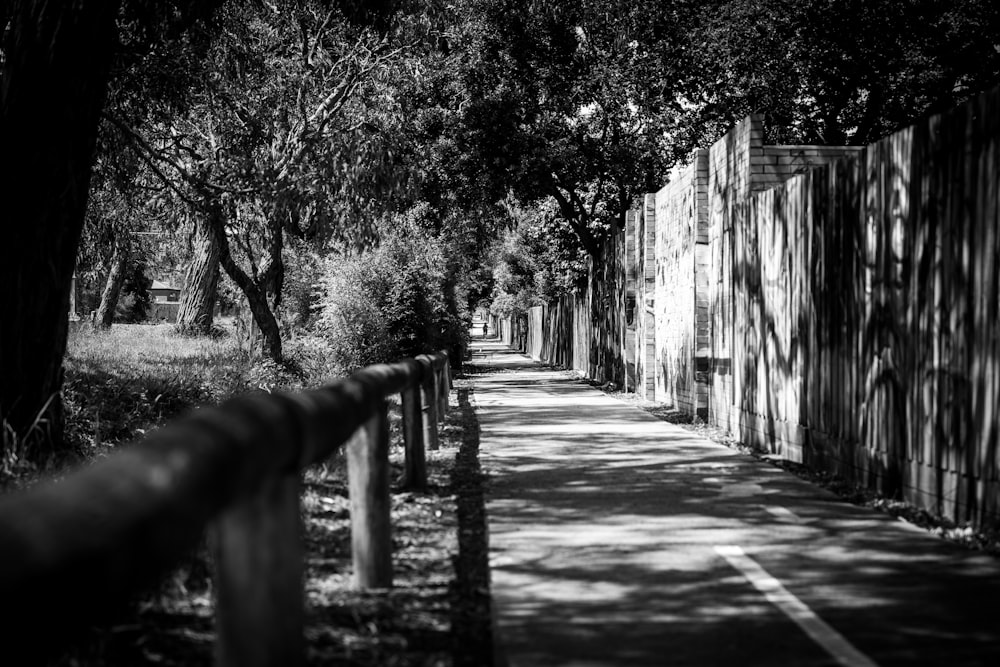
x=603, y=529
x=855, y=324
x=405, y=625
x=493, y=358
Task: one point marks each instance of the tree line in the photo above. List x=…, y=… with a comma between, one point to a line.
x=484, y=147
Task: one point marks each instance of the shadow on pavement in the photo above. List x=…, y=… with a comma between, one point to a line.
x=604, y=524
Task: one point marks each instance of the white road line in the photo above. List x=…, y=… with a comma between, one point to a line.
x=797, y=610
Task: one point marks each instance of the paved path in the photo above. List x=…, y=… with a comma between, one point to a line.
x=619, y=539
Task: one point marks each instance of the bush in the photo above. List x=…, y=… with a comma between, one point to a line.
x=303, y=268
x=388, y=303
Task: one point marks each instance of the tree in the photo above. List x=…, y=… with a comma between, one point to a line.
x=57, y=60
x=113, y=286
x=534, y=263
x=271, y=143
x=837, y=72
x=116, y=211
x=56, y=64
x=50, y=103
x=588, y=103
x=196, y=312
x=561, y=109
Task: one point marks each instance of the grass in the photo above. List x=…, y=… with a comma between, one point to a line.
x=122, y=383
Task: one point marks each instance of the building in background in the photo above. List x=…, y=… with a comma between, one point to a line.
x=165, y=301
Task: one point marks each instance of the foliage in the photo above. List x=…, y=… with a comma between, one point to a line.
x=557, y=105
x=585, y=104
x=56, y=63
x=116, y=211
x=136, y=302
x=122, y=383
x=268, y=140
x=389, y=302
x=837, y=72
x=314, y=358
x=535, y=263
x=292, y=126
x=303, y=273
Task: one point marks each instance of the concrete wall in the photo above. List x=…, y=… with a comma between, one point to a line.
x=534, y=340
x=681, y=216
x=645, y=293
x=739, y=165
x=631, y=263
x=833, y=305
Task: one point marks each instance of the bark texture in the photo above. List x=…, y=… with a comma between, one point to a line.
x=201, y=282
x=55, y=77
x=112, y=286
x=257, y=291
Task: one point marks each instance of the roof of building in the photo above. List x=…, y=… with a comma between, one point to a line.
x=157, y=284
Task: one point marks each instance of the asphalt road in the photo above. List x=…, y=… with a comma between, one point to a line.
x=620, y=539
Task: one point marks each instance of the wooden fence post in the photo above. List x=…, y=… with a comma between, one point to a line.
x=413, y=437
x=260, y=599
x=368, y=482
x=429, y=404
x=444, y=387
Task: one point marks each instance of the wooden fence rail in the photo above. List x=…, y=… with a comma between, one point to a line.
x=76, y=550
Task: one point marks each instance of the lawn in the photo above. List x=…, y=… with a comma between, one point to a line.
x=122, y=382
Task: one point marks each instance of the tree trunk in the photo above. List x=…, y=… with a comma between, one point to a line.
x=264, y=317
x=55, y=76
x=197, y=309
x=256, y=294
x=113, y=286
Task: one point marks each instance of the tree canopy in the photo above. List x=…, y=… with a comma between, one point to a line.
x=839, y=71
x=586, y=104
x=296, y=128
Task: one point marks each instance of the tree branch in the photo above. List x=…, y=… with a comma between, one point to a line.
x=152, y=153
x=571, y=215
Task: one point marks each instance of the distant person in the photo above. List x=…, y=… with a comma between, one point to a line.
x=486, y=329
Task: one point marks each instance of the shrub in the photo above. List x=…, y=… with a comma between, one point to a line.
x=388, y=303
x=303, y=268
